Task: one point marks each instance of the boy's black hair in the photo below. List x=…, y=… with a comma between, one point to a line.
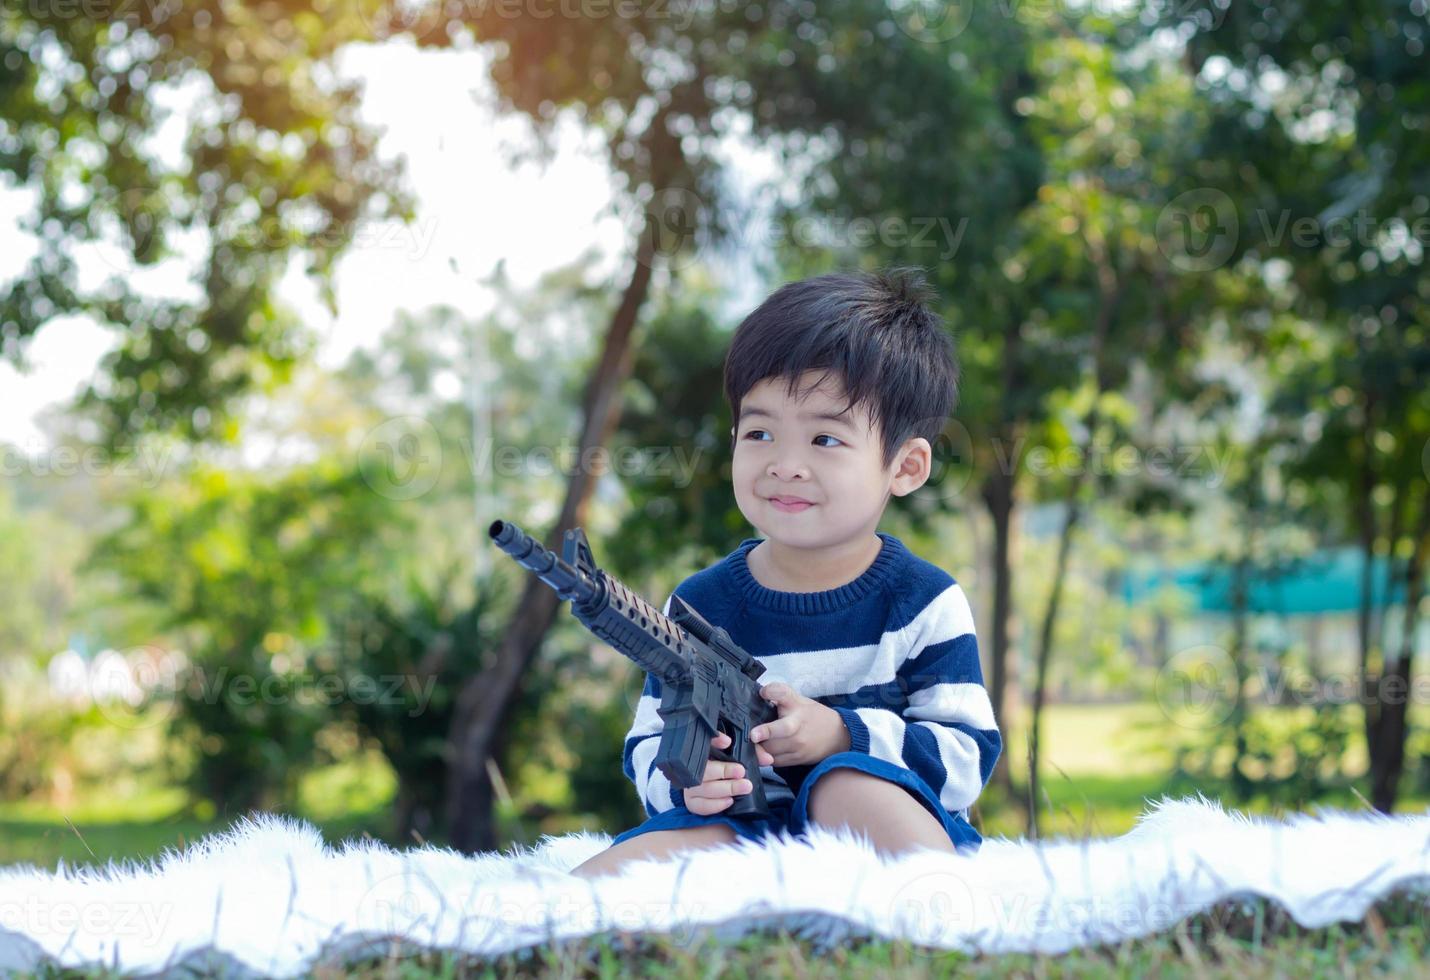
x=874, y=332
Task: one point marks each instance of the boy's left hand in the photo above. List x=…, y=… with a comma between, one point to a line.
x=805, y=733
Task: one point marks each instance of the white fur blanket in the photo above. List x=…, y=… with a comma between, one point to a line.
x=269, y=898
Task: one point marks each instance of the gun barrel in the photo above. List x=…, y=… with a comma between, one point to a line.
x=569, y=583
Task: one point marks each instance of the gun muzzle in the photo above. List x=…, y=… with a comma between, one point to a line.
x=569, y=583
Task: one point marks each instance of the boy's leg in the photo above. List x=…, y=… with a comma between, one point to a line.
x=892, y=818
x=655, y=843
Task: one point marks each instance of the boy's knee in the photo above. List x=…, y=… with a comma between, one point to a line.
x=706, y=834
x=836, y=786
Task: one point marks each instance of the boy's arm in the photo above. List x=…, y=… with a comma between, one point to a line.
x=947, y=733
x=642, y=742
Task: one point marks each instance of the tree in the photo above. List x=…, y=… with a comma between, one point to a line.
x=250, y=570
x=656, y=89
x=276, y=167
x=1318, y=151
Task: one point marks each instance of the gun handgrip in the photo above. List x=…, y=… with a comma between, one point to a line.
x=742, y=750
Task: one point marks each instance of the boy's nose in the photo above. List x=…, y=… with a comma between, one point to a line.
x=788, y=469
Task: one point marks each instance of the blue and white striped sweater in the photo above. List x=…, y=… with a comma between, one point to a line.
x=894, y=652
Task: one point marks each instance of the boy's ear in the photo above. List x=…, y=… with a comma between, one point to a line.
x=912, y=466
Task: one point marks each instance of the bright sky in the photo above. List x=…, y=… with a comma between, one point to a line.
x=472, y=207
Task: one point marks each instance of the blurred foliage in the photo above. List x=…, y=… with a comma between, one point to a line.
x=276, y=166
x=414, y=658
x=1286, y=757
x=1039, y=148
x=66, y=749
x=37, y=591
x=248, y=569
x=674, y=438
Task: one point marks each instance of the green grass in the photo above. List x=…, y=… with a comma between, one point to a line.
x=1233, y=940
x=351, y=799
x=43, y=842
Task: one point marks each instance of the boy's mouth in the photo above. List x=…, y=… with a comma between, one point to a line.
x=790, y=505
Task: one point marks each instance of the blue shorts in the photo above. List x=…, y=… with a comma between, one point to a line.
x=793, y=815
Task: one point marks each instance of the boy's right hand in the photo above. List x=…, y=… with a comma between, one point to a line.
x=723, y=781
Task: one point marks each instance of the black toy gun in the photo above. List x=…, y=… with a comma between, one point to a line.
x=708, y=684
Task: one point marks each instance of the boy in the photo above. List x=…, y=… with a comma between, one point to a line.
x=837, y=385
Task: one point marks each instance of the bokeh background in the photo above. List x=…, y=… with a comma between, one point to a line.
x=296, y=298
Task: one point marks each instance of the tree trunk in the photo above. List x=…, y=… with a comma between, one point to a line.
x=1387, y=753
x=1109, y=296
x=1365, y=518
x=1045, y=648
x=1240, y=595
x=484, y=700
x=999, y=493
x=998, y=496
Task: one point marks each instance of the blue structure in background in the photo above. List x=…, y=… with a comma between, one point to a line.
x=1324, y=582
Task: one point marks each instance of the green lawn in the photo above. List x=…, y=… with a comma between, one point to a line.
x=347, y=800
x=1103, y=763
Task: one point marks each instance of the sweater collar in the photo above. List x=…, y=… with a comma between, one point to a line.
x=814, y=602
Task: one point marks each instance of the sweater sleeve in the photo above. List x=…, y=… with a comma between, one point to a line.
x=945, y=732
x=638, y=756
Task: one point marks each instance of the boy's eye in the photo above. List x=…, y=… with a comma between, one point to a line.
x=754, y=432
x=824, y=436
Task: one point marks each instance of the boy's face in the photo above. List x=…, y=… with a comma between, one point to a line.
x=784, y=449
